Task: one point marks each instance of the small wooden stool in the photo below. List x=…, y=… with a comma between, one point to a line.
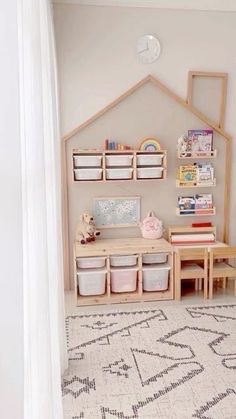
x=221, y=269
x=191, y=270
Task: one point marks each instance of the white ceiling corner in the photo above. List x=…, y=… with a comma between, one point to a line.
x=211, y=5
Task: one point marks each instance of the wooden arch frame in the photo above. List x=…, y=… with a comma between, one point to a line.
x=185, y=104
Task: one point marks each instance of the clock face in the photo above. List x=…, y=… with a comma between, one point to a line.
x=148, y=48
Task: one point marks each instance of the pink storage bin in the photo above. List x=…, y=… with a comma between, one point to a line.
x=124, y=280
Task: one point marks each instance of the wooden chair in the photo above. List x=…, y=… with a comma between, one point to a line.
x=221, y=269
x=190, y=269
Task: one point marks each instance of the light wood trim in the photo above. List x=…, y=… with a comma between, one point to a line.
x=189, y=185
x=227, y=182
x=189, y=254
x=177, y=276
x=104, y=177
x=75, y=275
x=189, y=88
x=198, y=155
x=108, y=284
x=171, y=273
x=211, y=276
x=198, y=274
x=191, y=108
x=229, y=271
x=205, y=290
x=131, y=245
x=189, y=229
x=223, y=252
x=200, y=212
x=224, y=79
x=134, y=166
x=107, y=108
x=224, y=83
x=131, y=90
x=140, y=276
x=216, y=74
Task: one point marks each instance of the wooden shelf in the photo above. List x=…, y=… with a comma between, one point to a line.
x=178, y=185
x=198, y=155
x=129, y=246
x=133, y=165
x=199, y=213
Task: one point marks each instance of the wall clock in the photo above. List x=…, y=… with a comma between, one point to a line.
x=148, y=48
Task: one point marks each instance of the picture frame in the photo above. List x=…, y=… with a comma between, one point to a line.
x=116, y=212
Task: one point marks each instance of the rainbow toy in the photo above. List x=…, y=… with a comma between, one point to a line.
x=149, y=144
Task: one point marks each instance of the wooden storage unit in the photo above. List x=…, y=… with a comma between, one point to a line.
x=129, y=246
x=120, y=169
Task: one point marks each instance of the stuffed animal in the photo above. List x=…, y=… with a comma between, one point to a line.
x=86, y=230
x=184, y=145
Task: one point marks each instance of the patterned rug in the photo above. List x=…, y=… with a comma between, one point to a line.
x=176, y=362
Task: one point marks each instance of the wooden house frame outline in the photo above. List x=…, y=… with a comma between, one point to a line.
x=185, y=104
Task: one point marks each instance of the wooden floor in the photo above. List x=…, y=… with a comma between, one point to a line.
x=189, y=296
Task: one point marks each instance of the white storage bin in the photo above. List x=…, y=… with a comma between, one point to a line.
x=86, y=263
x=155, y=277
x=149, y=159
x=91, y=281
x=149, y=172
x=123, y=260
x=154, y=258
x=123, y=280
x=119, y=173
x=85, y=161
x=88, y=174
x=119, y=160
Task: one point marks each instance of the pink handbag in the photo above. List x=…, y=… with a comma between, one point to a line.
x=151, y=227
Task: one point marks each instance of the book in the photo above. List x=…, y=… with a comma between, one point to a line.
x=186, y=204
x=202, y=224
x=188, y=175
x=205, y=174
x=201, y=141
x=203, y=204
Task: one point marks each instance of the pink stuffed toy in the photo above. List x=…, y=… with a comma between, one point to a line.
x=151, y=227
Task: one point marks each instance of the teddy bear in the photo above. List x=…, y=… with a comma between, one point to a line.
x=86, y=230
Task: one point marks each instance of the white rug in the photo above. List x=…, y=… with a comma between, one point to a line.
x=176, y=362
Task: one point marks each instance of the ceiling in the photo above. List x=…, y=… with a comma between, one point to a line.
x=214, y=5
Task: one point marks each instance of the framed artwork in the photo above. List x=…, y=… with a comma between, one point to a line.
x=116, y=211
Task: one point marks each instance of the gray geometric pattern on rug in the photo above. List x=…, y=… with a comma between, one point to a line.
x=177, y=362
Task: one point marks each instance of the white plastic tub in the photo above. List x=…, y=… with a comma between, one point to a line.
x=88, y=174
x=155, y=277
x=85, y=161
x=123, y=260
x=123, y=280
x=119, y=173
x=149, y=172
x=149, y=159
x=91, y=281
x=88, y=263
x=150, y=258
x=119, y=160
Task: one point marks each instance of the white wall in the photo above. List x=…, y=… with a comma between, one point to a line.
x=97, y=59
x=11, y=280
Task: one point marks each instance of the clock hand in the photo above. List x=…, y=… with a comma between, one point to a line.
x=142, y=50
